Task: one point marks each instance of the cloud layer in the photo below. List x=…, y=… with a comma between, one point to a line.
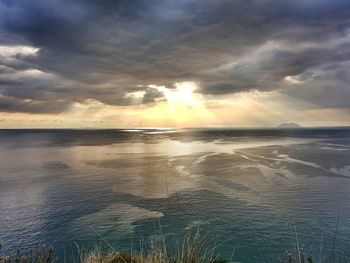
x=57, y=53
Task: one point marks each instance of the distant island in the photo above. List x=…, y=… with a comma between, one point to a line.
x=289, y=125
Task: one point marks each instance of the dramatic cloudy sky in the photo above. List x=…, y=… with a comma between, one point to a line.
x=166, y=63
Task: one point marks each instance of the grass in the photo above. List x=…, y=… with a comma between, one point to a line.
x=192, y=249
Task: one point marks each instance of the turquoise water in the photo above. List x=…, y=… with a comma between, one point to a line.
x=254, y=193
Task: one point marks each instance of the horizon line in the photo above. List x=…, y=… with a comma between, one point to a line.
x=176, y=128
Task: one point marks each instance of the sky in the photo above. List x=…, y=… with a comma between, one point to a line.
x=167, y=63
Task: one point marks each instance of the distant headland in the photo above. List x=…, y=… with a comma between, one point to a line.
x=289, y=125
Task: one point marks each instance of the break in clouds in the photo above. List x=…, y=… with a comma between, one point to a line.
x=56, y=53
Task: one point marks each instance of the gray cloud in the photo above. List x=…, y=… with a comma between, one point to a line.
x=103, y=49
x=152, y=95
x=13, y=104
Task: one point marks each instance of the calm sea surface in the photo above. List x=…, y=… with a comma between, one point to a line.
x=254, y=193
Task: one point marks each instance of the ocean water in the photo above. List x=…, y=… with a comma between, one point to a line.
x=253, y=193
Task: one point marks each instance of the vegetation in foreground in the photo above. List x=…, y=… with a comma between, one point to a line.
x=191, y=250
x=41, y=254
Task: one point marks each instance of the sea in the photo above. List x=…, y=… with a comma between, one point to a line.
x=252, y=194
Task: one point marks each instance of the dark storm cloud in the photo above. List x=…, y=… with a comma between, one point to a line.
x=269, y=69
x=103, y=49
x=152, y=95
x=13, y=104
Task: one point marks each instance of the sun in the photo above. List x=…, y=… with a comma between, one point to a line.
x=183, y=106
x=183, y=93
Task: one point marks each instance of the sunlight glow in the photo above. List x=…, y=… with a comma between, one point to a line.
x=183, y=107
x=183, y=94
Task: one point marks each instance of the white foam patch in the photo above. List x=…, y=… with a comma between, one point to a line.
x=329, y=148
x=345, y=171
x=333, y=144
x=204, y=157
x=269, y=172
x=286, y=158
x=118, y=215
x=265, y=170
x=181, y=171
x=283, y=158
